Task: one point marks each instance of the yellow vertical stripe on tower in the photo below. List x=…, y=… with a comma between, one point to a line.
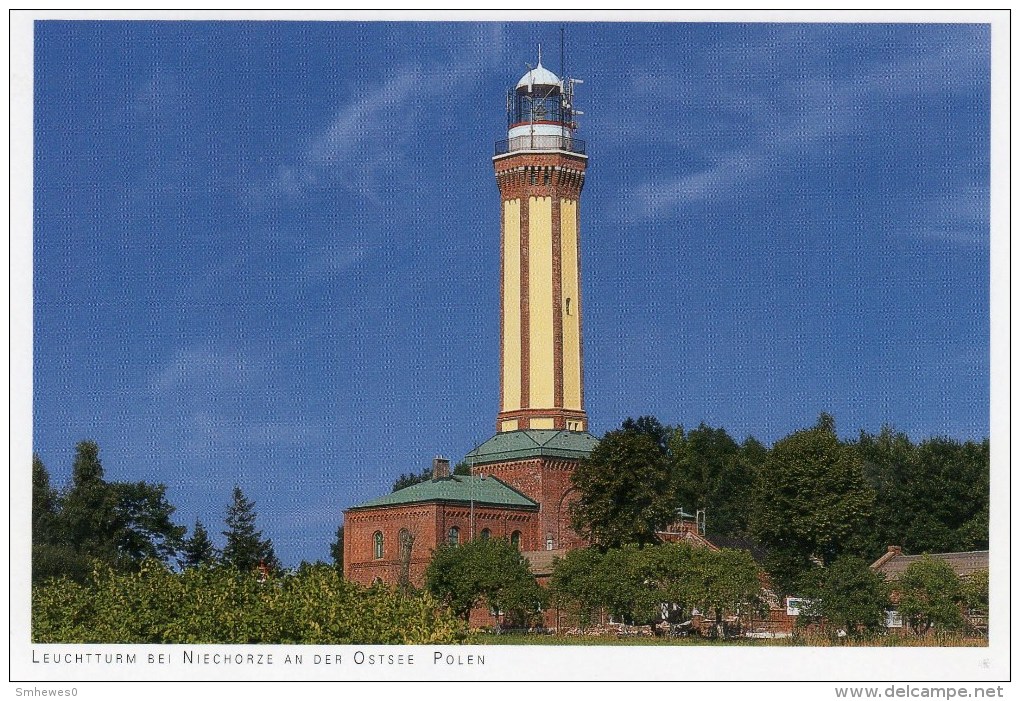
x=511, y=305
x=570, y=306
x=541, y=380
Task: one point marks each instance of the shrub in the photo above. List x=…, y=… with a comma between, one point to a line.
x=314, y=605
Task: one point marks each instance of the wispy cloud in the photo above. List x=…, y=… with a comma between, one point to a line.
x=959, y=217
x=366, y=146
x=363, y=146
x=765, y=124
x=204, y=367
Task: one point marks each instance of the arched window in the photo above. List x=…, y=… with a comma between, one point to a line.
x=377, y=541
x=486, y=534
x=549, y=542
x=454, y=535
x=515, y=539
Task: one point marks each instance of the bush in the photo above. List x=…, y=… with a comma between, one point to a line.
x=314, y=605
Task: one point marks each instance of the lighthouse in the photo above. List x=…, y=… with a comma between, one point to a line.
x=540, y=169
x=520, y=485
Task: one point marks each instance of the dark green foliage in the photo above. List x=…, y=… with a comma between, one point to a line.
x=625, y=490
x=577, y=586
x=715, y=474
x=725, y=580
x=811, y=498
x=203, y=605
x=975, y=592
x=412, y=478
x=245, y=549
x=634, y=583
x=145, y=529
x=198, y=550
x=44, y=503
x=930, y=497
x=930, y=596
x=847, y=595
x=490, y=572
x=649, y=426
x=116, y=524
x=336, y=549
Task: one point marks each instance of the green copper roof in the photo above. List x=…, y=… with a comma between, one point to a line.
x=461, y=488
x=519, y=445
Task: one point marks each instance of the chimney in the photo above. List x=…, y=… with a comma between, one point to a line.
x=895, y=550
x=440, y=468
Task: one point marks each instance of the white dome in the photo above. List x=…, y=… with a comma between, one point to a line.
x=539, y=76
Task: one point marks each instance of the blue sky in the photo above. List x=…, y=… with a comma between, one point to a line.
x=266, y=253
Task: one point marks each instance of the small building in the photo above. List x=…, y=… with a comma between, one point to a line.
x=894, y=563
x=391, y=539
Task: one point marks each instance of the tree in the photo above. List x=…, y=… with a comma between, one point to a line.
x=847, y=595
x=930, y=596
x=198, y=550
x=245, y=549
x=44, y=503
x=50, y=557
x=89, y=521
x=118, y=524
x=810, y=499
x=576, y=585
x=724, y=580
x=412, y=478
x=336, y=550
x=145, y=528
x=625, y=490
x=650, y=426
x=489, y=571
x=975, y=594
x=713, y=473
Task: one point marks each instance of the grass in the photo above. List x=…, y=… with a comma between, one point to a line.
x=805, y=640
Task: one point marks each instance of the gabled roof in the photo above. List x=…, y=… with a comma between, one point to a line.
x=893, y=563
x=456, y=488
x=533, y=443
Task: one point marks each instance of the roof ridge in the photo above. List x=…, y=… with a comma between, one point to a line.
x=512, y=489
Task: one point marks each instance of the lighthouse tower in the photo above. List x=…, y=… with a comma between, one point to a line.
x=540, y=172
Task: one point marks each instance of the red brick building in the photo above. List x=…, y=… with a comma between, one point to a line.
x=519, y=486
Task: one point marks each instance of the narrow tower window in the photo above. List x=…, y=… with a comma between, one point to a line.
x=377, y=540
x=515, y=539
x=568, y=306
x=453, y=536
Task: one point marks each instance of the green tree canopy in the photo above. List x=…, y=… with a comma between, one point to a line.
x=410, y=479
x=725, y=580
x=198, y=550
x=811, y=498
x=716, y=474
x=336, y=549
x=119, y=524
x=245, y=549
x=484, y=571
x=625, y=490
x=846, y=595
x=930, y=596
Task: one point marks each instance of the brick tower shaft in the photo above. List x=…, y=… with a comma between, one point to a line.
x=540, y=172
